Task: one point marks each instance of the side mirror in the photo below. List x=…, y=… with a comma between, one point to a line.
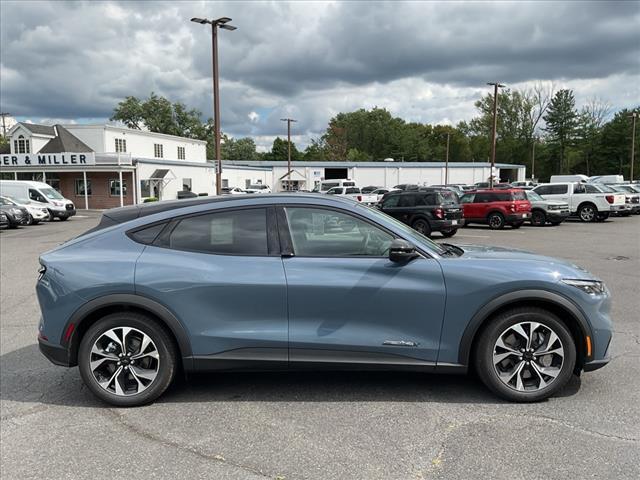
x=402, y=251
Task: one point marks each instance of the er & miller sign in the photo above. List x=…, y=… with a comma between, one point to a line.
x=47, y=159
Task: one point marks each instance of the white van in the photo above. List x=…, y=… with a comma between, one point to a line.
x=58, y=206
x=325, y=185
x=568, y=178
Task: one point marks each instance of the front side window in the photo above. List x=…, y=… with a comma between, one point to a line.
x=181, y=154
x=239, y=232
x=468, y=198
x=114, y=187
x=36, y=196
x=80, y=187
x=157, y=150
x=121, y=145
x=317, y=232
x=391, y=201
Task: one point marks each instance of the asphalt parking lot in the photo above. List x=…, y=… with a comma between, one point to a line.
x=325, y=425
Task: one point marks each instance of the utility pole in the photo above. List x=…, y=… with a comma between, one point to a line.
x=288, y=120
x=495, y=85
x=4, y=127
x=222, y=23
x=633, y=116
x=533, y=159
x=446, y=163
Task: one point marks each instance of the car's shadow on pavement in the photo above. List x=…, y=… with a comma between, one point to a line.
x=27, y=377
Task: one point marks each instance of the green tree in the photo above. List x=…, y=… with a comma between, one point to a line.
x=316, y=150
x=561, y=124
x=279, y=151
x=239, y=149
x=129, y=112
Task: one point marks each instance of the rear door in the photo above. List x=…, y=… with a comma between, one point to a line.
x=221, y=274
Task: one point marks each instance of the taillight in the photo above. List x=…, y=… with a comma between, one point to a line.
x=512, y=207
x=359, y=197
x=439, y=213
x=609, y=198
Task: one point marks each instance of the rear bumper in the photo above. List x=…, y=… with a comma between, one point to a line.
x=446, y=224
x=518, y=217
x=55, y=353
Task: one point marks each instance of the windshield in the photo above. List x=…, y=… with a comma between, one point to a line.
x=407, y=231
x=51, y=194
x=533, y=196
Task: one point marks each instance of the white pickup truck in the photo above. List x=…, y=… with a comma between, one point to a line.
x=355, y=193
x=589, y=204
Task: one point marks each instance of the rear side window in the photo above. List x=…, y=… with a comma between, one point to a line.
x=407, y=200
x=391, y=201
x=238, y=232
x=353, y=190
x=148, y=235
x=519, y=196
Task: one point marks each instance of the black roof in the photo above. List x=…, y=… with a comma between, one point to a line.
x=119, y=215
x=39, y=129
x=65, y=141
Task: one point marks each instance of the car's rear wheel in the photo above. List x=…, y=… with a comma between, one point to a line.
x=516, y=225
x=127, y=359
x=449, y=233
x=29, y=220
x=587, y=212
x=525, y=355
x=538, y=218
x=495, y=221
x=422, y=226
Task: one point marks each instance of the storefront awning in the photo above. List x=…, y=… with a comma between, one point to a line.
x=159, y=174
x=295, y=176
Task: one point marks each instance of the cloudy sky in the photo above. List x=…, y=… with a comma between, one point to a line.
x=424, y=61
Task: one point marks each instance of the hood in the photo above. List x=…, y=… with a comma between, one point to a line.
x=500, y=254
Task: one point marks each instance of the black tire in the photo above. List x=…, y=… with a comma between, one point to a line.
x=29, y=220
x=166, y=367
x=62, y=219
x=13, y=225
x=495, y=221
x=483, y=354
x=516, y=225
x=421, y=225
x=588, y=212
x=538, y=218
x=449, y=233
x=555, y=224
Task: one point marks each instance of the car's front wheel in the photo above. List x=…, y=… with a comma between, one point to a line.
x=538, y=218
x=127, y=359
x=449, y=233
x=525, y=355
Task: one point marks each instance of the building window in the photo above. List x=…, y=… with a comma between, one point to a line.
x=80, y=187
x=181, y=155
x=114, y=188
x=121, y=145
x=145, y=188
x=22, y=145
x=186, y=183
x=157, y=150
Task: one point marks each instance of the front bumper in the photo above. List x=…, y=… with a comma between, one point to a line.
x=55, y=353
x=557, y=215
x=62, y=212
x=595, y=365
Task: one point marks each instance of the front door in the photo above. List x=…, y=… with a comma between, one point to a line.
x=348, y=303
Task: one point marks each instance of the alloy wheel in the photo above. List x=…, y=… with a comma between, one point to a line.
x=124, y=361
x=587, y=214
x=528, y=356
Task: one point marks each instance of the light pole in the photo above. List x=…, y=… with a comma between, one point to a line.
x=288, y=120
x=495, y=85
x=446, y=163
x=222, y=23
x=633, y=116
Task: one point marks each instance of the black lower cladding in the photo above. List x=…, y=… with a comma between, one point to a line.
x=55, y=354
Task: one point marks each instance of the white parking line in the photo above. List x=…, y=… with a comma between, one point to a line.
x=472, y=236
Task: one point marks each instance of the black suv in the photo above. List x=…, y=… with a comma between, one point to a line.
x=425, y=211
x=16, y=216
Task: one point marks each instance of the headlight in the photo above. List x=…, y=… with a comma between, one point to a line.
x=591, y=287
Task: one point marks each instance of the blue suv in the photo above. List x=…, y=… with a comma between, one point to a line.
x=293, y=281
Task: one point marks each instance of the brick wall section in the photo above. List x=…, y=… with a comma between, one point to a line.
x=100, y=197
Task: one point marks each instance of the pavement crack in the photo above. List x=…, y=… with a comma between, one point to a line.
x=119, y=419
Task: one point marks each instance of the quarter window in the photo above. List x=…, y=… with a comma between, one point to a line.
x=239, y=232
x=80, y=187
x=157, y=150
x=181, y=155
x=121, y=145
x=317, y=232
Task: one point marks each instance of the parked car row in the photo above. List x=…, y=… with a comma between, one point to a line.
x=446, y=208
x=29, y=203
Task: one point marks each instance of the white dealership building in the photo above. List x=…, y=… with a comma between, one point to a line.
x=89, y=163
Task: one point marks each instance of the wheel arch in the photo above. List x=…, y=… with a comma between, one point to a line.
x=567, y=312
x=587, y=202
x=495, y=210
x=97, y=308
